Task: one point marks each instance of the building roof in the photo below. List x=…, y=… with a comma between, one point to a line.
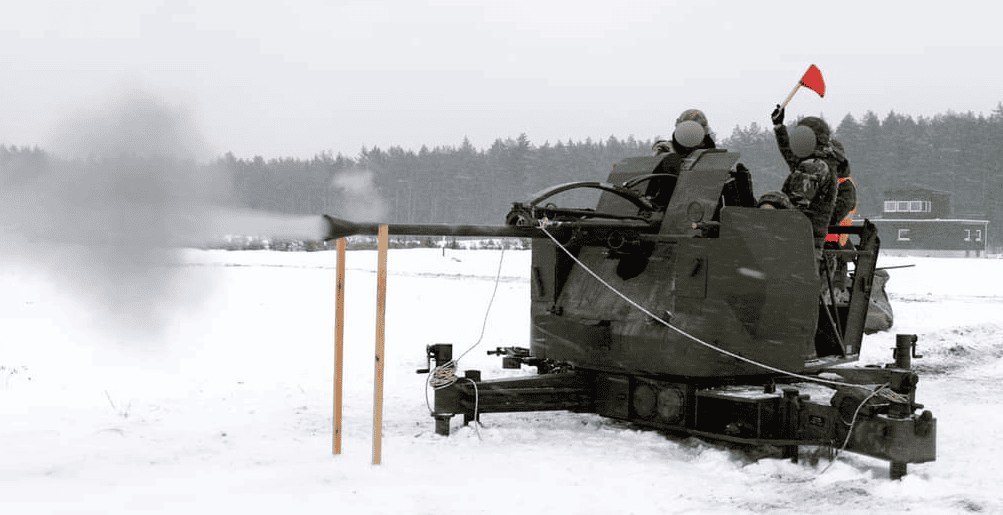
x=925, y=220
x=916, y=189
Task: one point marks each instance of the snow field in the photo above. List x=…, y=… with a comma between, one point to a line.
x=227, y=405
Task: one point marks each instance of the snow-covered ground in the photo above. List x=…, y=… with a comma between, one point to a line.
x=226, y=405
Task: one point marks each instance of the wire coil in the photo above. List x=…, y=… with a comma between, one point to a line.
x=443, y=375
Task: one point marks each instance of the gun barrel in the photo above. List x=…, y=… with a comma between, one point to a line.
x=488, y=231
x=339, y=228
x=893, y=267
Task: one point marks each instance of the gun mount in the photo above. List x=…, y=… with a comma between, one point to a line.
x=676, y=304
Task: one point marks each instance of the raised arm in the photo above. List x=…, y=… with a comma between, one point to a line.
x=783, y=139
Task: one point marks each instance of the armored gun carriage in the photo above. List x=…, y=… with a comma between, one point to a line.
x=676, y=304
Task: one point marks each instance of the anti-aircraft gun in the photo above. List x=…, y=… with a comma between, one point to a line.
x=676, y=304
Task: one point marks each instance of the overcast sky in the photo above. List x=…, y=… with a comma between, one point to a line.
x=297, y=78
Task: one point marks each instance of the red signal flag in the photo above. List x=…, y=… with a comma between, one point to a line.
x=813, y=80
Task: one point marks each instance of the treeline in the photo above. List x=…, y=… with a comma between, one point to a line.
x=441, y=185
x=959, y=153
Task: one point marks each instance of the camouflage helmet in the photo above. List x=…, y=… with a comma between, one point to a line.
x=775, y=200
x=819, y=127
x=694, y=115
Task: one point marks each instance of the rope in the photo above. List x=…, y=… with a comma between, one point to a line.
x=543, y=227
x=853, y=423
x=879, y=391
x=477, y=423
x=444, y=375
x=484, y=325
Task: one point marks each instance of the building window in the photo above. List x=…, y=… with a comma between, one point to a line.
x=907, y=206
x=903, y=235
x=968, y=235
x=978, y=235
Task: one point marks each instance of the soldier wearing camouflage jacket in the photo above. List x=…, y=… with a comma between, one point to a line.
x=812, y=185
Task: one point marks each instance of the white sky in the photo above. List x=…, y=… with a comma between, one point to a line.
x=300, y=77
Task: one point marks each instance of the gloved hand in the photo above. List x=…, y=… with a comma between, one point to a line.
x=777, y=116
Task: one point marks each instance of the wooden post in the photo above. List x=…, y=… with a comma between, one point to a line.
x=381, y=308
x=339, y=340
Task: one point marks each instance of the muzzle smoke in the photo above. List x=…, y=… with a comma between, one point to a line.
x=360, y=201
x=104, y=214
x=127, y=187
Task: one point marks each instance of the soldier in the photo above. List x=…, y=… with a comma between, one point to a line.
x=692, y=133
x=691, y=139
x=846, y=194
x=811, y=185
x=846, y=204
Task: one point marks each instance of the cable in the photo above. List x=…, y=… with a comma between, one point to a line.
x=543, y=227
x=484, y=325
x=477, y=423
x=853, y=422
x=444, y=375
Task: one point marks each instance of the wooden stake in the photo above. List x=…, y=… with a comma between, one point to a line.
x=339, y=340
x=381, y=308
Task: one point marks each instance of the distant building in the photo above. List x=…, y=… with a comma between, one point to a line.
x=919, y=221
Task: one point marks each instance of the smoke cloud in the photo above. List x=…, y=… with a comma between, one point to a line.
x=105, y=214
x=360, y=202
x=133, y=121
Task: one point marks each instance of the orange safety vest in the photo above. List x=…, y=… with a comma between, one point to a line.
x=846, y=222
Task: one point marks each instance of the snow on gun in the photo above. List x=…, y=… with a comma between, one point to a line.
x=674, y=304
